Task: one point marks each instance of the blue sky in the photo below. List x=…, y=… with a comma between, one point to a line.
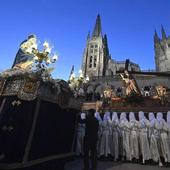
x=129, y=25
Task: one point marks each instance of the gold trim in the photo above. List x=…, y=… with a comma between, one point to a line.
x=12, y=87
x=29, y=90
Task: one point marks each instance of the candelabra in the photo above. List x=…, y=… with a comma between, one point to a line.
x=43, y=58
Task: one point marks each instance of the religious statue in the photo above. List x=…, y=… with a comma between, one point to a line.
x=130, y=84
x=29, y=54
x=108, y=94
x=161, y=92
x=24, y=57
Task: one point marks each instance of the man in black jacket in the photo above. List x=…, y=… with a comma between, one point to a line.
x=90, y=140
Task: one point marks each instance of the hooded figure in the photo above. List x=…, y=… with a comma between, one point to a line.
x=80, y=135
x=163, y=131
x=90, y=140
x=134, y=146
x=98, y=117
x=105, y=142
x=143, y=136
x=125, y=134
x=168, y=124
x=154, y=139
x=115, y=136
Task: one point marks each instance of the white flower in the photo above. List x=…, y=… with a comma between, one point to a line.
x=81, y=74
x=48, y=50
x=72, y=76
x=55, y=57
x=87, y=78
x=35, y=58
x=48, y=61
x=46, y=44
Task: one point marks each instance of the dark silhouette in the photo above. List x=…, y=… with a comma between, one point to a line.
x=90, y=140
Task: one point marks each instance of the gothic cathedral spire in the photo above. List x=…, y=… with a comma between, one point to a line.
x=88, y=36
x=97, y=32
x=162, y=57
x=164, y=37
x=156, y=38
x=96, y=53
x=106, y=45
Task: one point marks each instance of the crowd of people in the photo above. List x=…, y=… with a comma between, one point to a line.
x=133, y=137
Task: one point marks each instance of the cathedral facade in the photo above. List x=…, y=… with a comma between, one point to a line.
x=97, y=60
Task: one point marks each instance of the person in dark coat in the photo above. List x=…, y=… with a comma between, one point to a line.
x=90, y=140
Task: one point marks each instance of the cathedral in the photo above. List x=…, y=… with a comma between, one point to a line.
x=97, y=60
x=98, y=65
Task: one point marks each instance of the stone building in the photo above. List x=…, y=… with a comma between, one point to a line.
x=162, y=52
x=101, y=68
x=97, y=60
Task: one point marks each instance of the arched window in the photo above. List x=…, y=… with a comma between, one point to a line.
x=95, y=61
x=90, y=61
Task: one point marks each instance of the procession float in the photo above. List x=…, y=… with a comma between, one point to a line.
x=37, y=113
x=133, y=99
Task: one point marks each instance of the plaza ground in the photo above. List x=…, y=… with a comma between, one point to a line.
x=77, y=164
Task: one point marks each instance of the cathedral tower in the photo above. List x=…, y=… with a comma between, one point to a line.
x=96, y=53
x=162, y=52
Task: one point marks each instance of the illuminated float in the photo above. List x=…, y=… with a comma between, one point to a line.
x=133, y=99
x=37, y=113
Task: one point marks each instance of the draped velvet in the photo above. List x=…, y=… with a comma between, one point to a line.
x=19, y=119
x=52, y=135
x=54, y=132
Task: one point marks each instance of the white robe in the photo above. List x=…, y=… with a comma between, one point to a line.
x=97, y=115
x=154, y=138
x=125, y=136
x=105, y=137
x=163, y=130
x=115, y=136
x=143, y=137
x=134, y=145
x=168, y=125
